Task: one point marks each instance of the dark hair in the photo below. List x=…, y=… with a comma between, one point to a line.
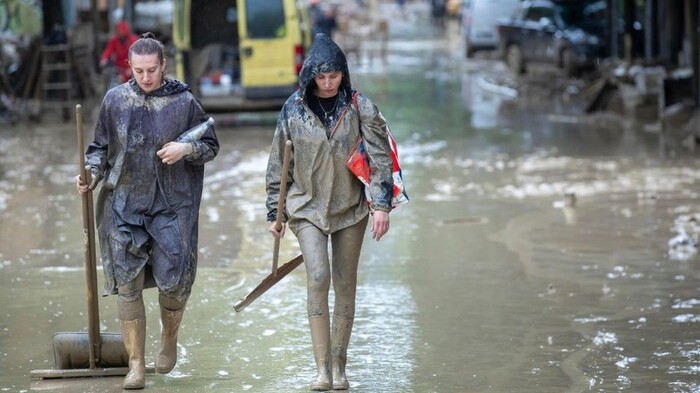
x=147, y=45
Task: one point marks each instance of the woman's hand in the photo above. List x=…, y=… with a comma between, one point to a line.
x=81, y=185
x=380, y=224
x=275, y=233
x=84, y=187
x=173, y=152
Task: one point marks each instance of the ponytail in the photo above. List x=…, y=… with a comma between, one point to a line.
x=147, y=44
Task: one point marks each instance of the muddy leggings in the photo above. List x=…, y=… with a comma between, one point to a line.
x=132, y=293
x=346, y=245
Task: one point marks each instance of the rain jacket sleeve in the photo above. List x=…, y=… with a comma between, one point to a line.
x=96, y=155
x=274, y=168
x=374, y=130
x=207, y=147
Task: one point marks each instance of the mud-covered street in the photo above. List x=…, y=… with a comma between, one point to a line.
x=542, y=251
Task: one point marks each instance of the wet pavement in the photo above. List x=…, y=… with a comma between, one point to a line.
x=541, y=251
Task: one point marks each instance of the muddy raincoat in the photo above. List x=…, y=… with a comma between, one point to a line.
x=321, y=190
x=147, y=212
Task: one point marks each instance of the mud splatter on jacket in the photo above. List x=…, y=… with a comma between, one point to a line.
x=321, y=190
x=147, y=212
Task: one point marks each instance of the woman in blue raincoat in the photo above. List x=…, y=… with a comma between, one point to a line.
x=325, y=201
x=148, y=208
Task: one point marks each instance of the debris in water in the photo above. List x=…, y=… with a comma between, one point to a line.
x=684, y=245
x=569, y=200
x=463, y=220
x=551, y=290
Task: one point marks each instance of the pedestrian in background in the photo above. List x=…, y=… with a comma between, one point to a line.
x=326, y=202
x=116, y=52
x=148, y=208
x=323, y=19
x=438, y=12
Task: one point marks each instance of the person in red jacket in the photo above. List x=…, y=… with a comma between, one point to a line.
x=117, y=50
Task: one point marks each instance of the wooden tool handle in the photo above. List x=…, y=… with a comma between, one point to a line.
x=90, y=257
x=280, y=204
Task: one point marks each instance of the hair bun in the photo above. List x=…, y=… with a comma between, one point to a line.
x=148, y=35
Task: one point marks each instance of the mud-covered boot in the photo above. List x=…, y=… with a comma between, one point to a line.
x=321, y=341
x=134, y=332
x=340, y=338
x=167, y=357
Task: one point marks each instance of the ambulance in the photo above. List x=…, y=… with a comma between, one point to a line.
x=240, y=55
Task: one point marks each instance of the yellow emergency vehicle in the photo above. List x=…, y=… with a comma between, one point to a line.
x=240, y=55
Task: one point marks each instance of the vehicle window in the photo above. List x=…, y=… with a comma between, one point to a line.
x=588, y=15
x=265, y=19
x=213, y=22
x=536, y=13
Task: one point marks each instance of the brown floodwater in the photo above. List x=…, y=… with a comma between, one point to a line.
x=541, y=251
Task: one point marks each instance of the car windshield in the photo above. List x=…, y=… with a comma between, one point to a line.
x=589, y=15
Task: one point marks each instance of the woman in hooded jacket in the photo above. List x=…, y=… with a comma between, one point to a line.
x=148, y=207
x=324, y=119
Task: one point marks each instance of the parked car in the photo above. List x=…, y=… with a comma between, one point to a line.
x=479, y=18
x=568, y=34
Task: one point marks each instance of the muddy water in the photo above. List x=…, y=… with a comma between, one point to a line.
x=534, y=255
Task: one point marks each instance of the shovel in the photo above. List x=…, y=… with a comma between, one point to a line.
x=91, y=354
x=277, y=274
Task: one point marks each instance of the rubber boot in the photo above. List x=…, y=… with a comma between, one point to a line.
x=320, y=339
x=340, y=338
x=167, y=357
x=134, y=332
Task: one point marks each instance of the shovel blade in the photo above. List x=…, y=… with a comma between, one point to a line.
x=72, y=351
x=268, y=282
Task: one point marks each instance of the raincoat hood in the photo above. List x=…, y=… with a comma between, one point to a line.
x=324, y=56
x=122, y=28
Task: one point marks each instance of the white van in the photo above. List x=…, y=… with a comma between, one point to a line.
x=479, y=19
